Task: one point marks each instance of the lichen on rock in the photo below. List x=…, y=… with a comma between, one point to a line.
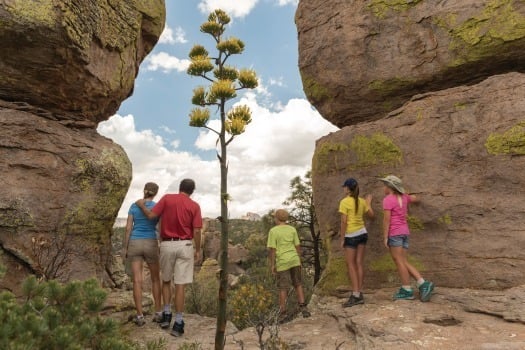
x=510, y=142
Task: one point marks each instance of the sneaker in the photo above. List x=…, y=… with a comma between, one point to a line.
x=425, y=291
x=166, y=320
x=139, y=320
x=157, y=318
x=353, y=300
x=403, y=294
x=304, y=311
x=178, y=329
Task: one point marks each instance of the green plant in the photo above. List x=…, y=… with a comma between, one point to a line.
x=224, y=81
x=58, y=316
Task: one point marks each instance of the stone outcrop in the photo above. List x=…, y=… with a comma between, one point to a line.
x=64, y=67
x=453, y=320
x=462, y=151
x=431, y=91
x=359, y=60
x=77, y=59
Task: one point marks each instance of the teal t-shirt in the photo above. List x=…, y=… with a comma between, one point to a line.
x=284, y=239
x=143, y=228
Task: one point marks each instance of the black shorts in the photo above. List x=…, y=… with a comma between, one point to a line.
x=353, y=242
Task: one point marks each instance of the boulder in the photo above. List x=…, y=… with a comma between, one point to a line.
x=76, y=59
x=61, y=191
x=359, y=60
x=64, y=67
x=462, y=152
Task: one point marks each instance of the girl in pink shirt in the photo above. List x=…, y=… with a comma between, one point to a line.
x=395, y=238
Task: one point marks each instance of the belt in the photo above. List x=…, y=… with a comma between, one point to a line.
x=173, y=239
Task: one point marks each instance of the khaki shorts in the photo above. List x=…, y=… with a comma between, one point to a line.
x=176, y=261
x=290, y=277
x=144, y=249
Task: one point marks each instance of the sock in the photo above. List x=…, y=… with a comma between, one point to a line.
x=408, y=288
x=356, y=294
x=167, y=308
x=140, y=316
x=420, y=281
x=158, y=312
x=178, y=317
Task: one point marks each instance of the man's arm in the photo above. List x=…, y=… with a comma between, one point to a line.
x=197, y=242
x=148, y=213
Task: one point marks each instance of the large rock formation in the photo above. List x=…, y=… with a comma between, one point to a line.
x=458, y=141
x=360, y=60
x=65, y=66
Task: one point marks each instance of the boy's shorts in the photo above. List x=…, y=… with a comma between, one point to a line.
x=353, y=242
x=290, y=277
x=398, y=241
x=176, y=261
x=144, y=249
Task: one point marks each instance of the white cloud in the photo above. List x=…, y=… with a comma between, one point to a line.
x=277, y=146
x=234, y=8
x=288, y=2
x=167, y=63
x=168, y=37
x=276, y=81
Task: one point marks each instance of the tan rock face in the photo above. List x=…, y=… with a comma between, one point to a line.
x=64, y=67
x=76, y=59
x=462, y=151
x=359, y=60
x=61, y=191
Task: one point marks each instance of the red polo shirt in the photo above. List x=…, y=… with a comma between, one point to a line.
x=179, y=215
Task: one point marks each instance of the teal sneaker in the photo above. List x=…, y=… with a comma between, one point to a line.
x=403, y=294
x=425, y=291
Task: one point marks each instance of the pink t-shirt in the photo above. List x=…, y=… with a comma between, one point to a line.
x=398, y=214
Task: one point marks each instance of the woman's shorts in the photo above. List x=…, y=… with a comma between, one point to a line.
x=290, y=277
x=144, y=249
x=398, y=241
x=353, y=242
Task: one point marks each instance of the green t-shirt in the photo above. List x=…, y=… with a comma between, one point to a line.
x=354, y=221
x=284, y=239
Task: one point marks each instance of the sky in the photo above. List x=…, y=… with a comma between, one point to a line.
x=152, y=125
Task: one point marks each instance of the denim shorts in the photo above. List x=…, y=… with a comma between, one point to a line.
x=353, y=242
x=398, y=241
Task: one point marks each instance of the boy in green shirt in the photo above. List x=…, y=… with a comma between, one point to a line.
x=284, y=251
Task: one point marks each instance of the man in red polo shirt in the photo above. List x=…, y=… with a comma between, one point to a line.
x=180, y=223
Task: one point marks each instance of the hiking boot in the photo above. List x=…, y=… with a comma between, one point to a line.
x=178, y=329
x=157, y=318
x=425, y=291
x=166, y=320
x=139, y=320
x=304, y=311
x=403, y=294
x=353, y=300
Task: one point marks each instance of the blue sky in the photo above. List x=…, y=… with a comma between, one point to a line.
x=152, y=125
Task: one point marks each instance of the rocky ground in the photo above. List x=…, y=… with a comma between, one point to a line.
x=454, y=319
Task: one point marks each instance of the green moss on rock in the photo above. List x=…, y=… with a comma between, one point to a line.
x=328, y=156
x=380, y=7
x=375, y=149
x=445, y=219
x=484, y=34
x=33, y=12
x=510, y=142
x=414, y=223
x=334, y=275
x=389, y=87
x=314, y=90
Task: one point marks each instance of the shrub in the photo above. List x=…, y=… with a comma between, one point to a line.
x=58, y=316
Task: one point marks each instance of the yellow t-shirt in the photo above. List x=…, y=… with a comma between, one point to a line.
x=354, y=221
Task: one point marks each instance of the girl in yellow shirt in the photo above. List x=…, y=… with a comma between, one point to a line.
x=354, y=236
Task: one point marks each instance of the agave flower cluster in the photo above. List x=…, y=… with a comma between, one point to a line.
x=224, y=80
